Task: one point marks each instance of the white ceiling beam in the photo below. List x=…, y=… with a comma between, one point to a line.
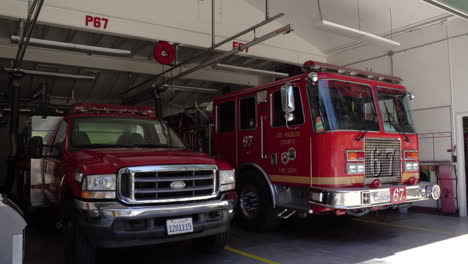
x=121, y=64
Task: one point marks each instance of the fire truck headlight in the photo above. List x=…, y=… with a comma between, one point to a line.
x=411, y=166
x=101, y=186
x=433, y=191
x=227, y=180
x=355, y=168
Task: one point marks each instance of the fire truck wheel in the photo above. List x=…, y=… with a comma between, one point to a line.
x=255, y=207
x=77, y=248
x=212, y=244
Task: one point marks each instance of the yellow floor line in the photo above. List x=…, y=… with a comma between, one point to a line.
x=240, y=252
x=409, y=227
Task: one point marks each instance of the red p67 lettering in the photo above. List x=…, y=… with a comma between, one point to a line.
x=236, y=45
x=96, y=22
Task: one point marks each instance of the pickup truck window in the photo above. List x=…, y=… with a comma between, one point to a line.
x=116, y=132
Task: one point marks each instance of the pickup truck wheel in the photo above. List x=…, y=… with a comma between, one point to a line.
x=212, y=244
x=77, y=248
x=255, y=207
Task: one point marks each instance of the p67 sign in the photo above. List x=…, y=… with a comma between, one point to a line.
x=96, y=22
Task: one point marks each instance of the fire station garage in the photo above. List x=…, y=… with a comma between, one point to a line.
x=233, y=131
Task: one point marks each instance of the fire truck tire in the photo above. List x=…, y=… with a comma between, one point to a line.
x=255, y=210
x=212, y=244
x=77, y=248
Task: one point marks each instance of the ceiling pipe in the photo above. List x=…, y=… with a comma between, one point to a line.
x=190, y=88
x=59, y=44
x=250, y=70
x=54, y=74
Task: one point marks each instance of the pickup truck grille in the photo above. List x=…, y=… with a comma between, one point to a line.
x=383, y=159
x=167, y=183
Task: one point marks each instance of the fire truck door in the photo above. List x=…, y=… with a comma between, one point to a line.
x=287, y=144
x=52, y=171
x=249, y=141
x=225, y=132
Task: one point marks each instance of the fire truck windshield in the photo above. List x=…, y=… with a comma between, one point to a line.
x=339, y=105
x=395, y=111
x=116, y=132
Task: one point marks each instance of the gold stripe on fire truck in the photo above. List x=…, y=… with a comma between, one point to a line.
x=317, y=180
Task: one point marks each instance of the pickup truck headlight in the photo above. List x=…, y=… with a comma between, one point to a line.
x=99, y=186
x=227, y=180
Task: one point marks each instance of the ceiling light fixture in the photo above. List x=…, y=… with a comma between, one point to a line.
x=54, y=74
x=67, y=45
x=451, y=7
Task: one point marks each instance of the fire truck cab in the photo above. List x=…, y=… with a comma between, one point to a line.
x=333, y=139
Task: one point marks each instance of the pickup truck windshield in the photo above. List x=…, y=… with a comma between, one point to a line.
x=339, y=105
x=115, y=132
x=395, y=111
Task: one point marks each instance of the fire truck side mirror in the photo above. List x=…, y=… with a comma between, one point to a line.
x=287, y=98
x=35, y=147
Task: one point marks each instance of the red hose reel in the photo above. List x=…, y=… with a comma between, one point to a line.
x=164, y=53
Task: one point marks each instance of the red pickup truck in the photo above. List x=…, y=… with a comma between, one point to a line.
x=120, y=177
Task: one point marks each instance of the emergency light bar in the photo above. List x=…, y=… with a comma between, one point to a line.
x=118, y=109
x=310, y=66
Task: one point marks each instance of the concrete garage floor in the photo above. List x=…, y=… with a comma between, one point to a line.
x=382, y=238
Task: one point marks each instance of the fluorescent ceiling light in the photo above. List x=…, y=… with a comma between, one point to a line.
x=458, y=8
x=250, y=70
x=55, y=74
x=60, y=44
x=190, y=88
x=359, y=35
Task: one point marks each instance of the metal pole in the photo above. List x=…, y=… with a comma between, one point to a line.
x=267, y=13
x=212, y=22
x=151, y=79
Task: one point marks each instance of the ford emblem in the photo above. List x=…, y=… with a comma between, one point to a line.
x=177, y=185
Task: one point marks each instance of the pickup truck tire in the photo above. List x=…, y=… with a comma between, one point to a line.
x=77, y=248
x=255, y=210
x=212, y=244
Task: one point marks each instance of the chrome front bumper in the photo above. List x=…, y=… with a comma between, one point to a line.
x=118, y=210
x=356, y=198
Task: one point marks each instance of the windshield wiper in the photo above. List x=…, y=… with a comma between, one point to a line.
x=396, y=125
x=100, y=146
x=364, y=132
x=151, y=145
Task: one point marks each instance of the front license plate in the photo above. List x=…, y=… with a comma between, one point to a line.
x=382, y=196
x=179, y=226
x=398, y=195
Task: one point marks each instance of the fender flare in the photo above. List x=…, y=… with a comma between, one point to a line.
x=262, y=172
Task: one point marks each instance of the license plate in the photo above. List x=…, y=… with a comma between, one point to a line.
x=381, y=196
x=179, y=226
x=398, y=195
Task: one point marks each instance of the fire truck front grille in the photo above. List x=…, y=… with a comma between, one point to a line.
x=383, y=159
x=167, y=183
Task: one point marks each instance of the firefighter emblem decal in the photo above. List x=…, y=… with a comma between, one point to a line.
x=292, y=153
x=247, y=141
x=285, y=158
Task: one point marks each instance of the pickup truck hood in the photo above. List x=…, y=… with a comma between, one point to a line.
x=104, y=161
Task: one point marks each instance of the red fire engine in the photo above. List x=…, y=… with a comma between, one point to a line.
x=120, y=177
x=333, y=139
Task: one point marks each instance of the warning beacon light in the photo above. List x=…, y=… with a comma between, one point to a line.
x=113, y=109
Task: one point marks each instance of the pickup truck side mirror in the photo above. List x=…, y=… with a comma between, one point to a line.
x=287, y=101
x=35, y=147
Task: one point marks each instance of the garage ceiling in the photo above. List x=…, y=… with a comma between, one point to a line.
x=115, y=74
